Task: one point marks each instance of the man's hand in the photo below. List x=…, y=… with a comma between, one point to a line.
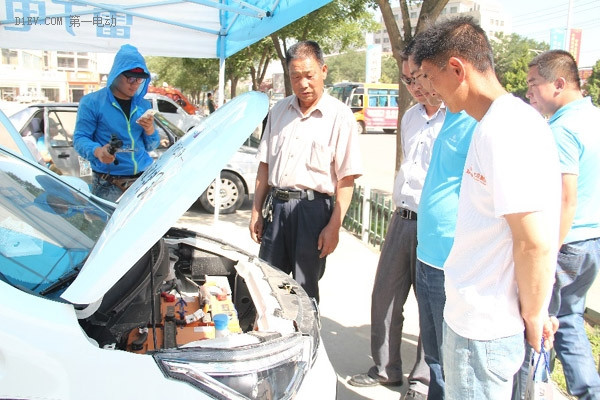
x=256, y=227
x=328, y=240
x=257, y=222
x=102, y=154
x=534, y=334
x=147, y=123
x=550, y=328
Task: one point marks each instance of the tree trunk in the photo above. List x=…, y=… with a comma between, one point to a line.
x=281, y=48
x=234, y=82
x=430, y=10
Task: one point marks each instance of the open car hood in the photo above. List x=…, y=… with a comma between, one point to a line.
x=164, y=192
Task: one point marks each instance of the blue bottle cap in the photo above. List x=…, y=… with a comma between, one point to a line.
x=221, y=321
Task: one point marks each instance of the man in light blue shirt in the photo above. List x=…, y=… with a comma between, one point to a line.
x=554, y=90
x=435, y=230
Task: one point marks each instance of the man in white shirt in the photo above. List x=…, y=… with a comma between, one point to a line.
x=499, y=273
x=395, y=274
x=308, y=153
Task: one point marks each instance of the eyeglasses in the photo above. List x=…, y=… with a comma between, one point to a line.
x=133, y=79
x=407, y=81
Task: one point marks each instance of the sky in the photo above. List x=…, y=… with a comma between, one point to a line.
x=535, y=18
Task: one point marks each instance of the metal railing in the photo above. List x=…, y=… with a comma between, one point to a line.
x=369, y=215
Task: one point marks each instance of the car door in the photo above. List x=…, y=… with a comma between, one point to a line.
x=172, y=112
x=59, y=126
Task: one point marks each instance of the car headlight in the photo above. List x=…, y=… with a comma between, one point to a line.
x=270, y=370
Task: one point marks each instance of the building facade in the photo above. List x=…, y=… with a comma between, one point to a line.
x=37, y=75
x=488, y=13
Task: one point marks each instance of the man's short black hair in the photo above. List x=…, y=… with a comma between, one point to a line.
x=459, y=37
x=554, y=64
x=305, y=49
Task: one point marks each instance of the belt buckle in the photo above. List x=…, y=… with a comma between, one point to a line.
x=405, y=213
x=283, y=195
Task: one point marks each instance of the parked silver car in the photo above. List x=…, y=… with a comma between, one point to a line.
x=111, y=301
x=54, y=124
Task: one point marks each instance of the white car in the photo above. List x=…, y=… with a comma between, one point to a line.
x=109, y=301
x=55, y=124
x=173, y=111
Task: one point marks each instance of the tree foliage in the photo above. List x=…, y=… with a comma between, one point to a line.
x=337, y=27
x=190, y=75
x=512, y=54
x=389, y=70
x=348, y=66
x=592, y=86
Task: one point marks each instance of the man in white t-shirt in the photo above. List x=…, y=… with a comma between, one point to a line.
x=499, y=273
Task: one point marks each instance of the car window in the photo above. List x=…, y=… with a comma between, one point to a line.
x=61, y=125
x=166, y=107
x=46, y=228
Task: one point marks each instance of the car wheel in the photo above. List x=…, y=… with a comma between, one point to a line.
x=360, y=125
x=232, y=194
x=389, y=131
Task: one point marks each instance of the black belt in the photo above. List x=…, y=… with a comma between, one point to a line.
x=121, y=181
x=406, y=214
x=285, y=194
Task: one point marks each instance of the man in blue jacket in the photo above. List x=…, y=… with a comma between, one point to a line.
x=115, y=112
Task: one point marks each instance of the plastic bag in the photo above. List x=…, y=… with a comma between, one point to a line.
x=539, y=386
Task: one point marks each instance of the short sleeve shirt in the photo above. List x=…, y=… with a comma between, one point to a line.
x=310, y=151
x=439, y=198
x=511, y=167
x=575, y=129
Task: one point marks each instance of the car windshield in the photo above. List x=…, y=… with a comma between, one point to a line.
x=47, y=229
x=20, y=118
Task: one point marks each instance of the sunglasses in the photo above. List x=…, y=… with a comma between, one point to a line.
x=133, y=79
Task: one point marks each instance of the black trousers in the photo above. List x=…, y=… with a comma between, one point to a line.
x=290, y=240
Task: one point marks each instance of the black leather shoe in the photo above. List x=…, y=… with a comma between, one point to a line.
x=364, y=380
x=414, y=395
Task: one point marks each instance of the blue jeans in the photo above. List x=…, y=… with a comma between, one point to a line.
x=105, y=189
x=576, y=270
x=480, y=369
x=431, y=298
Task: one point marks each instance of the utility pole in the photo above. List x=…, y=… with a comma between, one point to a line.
x=568, y=32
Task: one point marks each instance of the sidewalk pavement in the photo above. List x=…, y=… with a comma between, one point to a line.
x=345, y=303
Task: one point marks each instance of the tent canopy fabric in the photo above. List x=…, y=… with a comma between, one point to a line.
x=172, y=28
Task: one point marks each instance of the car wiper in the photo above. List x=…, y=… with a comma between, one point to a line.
x=63, y=280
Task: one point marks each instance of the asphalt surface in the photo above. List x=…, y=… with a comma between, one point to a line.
x=345, y=303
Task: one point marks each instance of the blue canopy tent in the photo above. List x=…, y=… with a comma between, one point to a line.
x=171, y=28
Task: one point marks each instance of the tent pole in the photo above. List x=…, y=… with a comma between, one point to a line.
x=220, y=100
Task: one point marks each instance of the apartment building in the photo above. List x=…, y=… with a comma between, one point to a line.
x=488, y=13
x=38, y=75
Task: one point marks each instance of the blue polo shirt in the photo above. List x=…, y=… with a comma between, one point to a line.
x=575, y=129
x=438, y=206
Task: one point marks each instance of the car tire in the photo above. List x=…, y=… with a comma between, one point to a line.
x=360, y=125
x=232, y=194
